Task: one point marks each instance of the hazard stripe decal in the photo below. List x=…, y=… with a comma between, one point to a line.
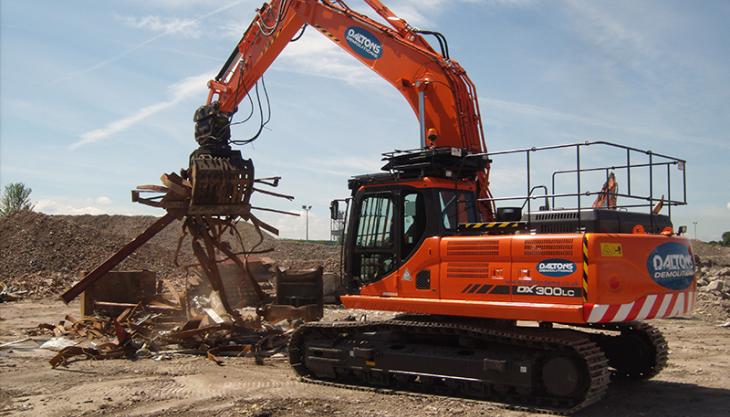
x=492, y=225
x=623, y=312
x=585, y=268
x=646, y=307
x=597, y=313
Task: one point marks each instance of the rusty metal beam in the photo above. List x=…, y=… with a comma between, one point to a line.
x=118, y=257
x=244, y=269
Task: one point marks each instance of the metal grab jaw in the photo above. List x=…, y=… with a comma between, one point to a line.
x=220, y=186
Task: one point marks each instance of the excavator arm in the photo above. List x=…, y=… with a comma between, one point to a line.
x=437, y=88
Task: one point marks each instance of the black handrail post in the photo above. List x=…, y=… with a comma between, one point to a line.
x=669, y=191
x=684, y=181
x=577, y=165
x=529, y=209
x=628, y=170
x=553, y=191
x=651, y=190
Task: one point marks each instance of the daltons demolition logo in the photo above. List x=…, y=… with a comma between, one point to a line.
x=671, y=266
x=363, y=42
x=556, y=267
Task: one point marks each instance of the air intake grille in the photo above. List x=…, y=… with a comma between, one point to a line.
x=560, y=215
x=473, y=248
x=549, y=247
x=472, y=270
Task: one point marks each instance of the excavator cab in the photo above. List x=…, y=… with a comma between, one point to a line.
x=422, y=194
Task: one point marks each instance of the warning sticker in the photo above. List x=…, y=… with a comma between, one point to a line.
x=611, y=249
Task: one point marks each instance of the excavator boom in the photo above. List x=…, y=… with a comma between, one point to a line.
x=436, y=87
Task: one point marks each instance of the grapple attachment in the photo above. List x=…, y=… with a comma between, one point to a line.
x=220, y=186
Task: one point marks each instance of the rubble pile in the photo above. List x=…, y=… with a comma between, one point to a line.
x=132, y=315
x=713, y=291
x=139, y=332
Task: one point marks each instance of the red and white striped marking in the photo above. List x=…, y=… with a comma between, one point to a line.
x=650, y=306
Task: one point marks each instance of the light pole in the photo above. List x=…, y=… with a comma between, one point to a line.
x=695, y=224
x=306, y=216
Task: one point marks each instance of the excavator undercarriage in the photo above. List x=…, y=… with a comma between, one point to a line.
x=556, y=370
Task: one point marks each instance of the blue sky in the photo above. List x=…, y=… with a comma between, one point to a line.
x=97, y=97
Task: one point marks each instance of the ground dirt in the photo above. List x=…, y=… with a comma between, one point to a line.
x=696, y=382
x=43, y=255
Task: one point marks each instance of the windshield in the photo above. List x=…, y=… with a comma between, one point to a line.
x=457, y=207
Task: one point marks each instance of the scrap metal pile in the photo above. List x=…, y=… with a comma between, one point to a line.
x=210, y=198
x=139, y=332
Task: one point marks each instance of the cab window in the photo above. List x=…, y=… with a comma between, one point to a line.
x=414, y=222
x=376, y=222
x=457, y=207
x=374, y=251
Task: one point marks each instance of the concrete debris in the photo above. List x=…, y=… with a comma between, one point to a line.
x=713, y=283
x=714, y=286
x=14, y=342
x=7, y=293
x=57, y=343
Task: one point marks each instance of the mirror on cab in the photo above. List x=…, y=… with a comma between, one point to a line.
x=334, y=209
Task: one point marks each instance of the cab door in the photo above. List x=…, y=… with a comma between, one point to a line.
x=373, y=254
x=418, y=274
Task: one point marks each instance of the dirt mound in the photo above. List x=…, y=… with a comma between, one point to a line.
x=131, y=226
x=45, y=254
x=713, y=254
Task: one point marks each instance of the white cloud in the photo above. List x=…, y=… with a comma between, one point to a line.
x=316, y=55
x=178, y=92
x=103, y=200
x=52, y=206
x=728, y=206
x=167, y=25
x=88, y=205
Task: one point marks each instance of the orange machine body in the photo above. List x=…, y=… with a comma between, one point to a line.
x=554, y=277
x=567, y=278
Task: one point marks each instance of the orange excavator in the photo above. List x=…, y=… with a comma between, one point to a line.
x=538, y=308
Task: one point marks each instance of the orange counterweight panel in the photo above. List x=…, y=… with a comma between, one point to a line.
x=638, y=276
